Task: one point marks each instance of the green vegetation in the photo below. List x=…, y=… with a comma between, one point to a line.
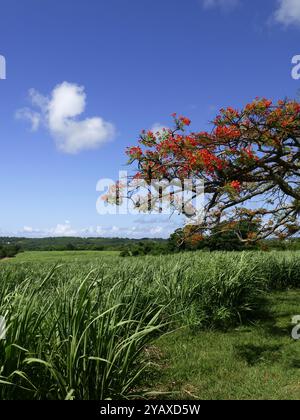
x=255, y=361
x=227, y=236
x=84, y=325
x=221, y=239
x=8, y=251
x=55, y=257
x=74, y=243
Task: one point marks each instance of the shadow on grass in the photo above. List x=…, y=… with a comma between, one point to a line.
x=267, y=318
x=295, y=363
x=254, y=354
x=276, y=331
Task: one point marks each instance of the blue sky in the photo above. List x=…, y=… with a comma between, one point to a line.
x=108, y=69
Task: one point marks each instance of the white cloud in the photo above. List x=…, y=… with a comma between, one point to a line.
x=158, y=128
x=60, y=113
x=38, y=100
x=157, y=230
x=63, y=229
x=28, y=229
x=66, y=229
x=28, y=114
x=223, y=4
x=288, y=12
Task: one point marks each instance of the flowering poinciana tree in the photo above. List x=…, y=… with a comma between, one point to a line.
x=249, y=161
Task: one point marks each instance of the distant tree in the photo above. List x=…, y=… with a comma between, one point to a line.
x=145, y=248
x=125, y=253
x=9, y=251
x=2, y=253
x=98, y=247
x=227, y=236
x=224, y=237
x=70, y=247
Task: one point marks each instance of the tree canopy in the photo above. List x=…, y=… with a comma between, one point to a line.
x=249, y=161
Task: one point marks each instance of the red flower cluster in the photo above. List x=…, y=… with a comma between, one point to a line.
x=232, y=112
x=181, y=120
x=134, y=152
x=259, y=105
x=236, y=185
x=185, y=120
x=210, y=161
x=236, y=140
x=229, y=133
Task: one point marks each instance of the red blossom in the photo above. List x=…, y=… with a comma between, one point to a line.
x=134, y=152
x=236, y=185
x=230, y=132
x=185, y=120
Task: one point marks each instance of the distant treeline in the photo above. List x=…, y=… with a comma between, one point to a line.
x=74, y=243
x=221, y=241
x=215, y=243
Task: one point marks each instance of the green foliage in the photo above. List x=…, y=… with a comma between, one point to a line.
x=145, y=248
x=76, y=243
x=9, y=251
x=223, y=239
x=75, y=337
x=81, y=330
x=220, y=240
x=292, y=244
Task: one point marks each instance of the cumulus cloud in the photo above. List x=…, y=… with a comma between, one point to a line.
x=66, y=229
x=157, y=230
x=223, y=4
x=61, y=229
x=59, y=113
x=28, y=229
x=288, y=12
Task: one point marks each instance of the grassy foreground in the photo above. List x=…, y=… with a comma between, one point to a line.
x=92, y=325
x=257, y=361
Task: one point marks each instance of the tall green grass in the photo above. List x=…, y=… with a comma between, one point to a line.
x=80, y=330
x=71, y=338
